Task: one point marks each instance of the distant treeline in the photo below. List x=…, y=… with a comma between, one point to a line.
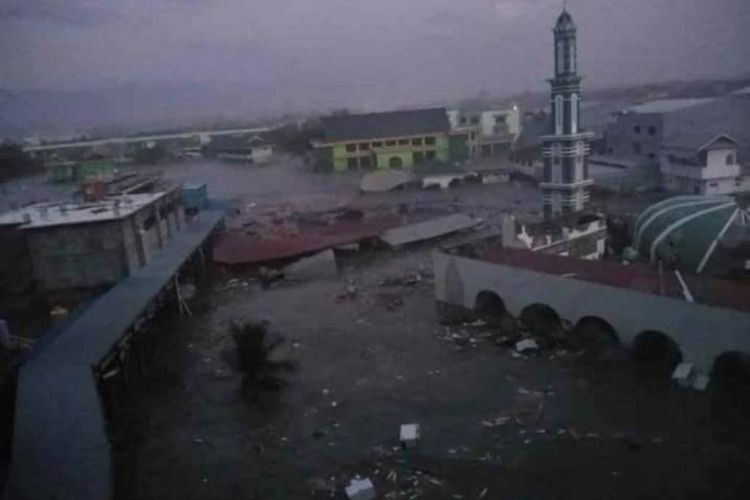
x=15, y=163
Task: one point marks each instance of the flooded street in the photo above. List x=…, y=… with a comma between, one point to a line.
x=547, y=426
x=493, y=424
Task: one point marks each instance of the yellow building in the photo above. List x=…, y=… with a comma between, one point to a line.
x=395, y=139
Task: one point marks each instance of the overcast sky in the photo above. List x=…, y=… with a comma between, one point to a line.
x=408, y=48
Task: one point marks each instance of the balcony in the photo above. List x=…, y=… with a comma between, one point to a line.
x=702, y=173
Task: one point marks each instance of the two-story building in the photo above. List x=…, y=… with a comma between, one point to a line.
x=697, y=166
x=394, y=139
x=486, y=133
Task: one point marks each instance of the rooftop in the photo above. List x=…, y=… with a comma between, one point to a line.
x=43, y=215
x=637, y=277
x=388, y=124
x=667, y=105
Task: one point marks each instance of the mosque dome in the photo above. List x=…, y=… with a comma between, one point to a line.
x=684, y=231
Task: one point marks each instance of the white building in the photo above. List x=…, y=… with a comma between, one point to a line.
x=708, y=168
x=488, y=132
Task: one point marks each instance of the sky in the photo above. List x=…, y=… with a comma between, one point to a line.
x=378, y=51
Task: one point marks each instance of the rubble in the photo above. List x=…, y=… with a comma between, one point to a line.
x=526, y=346
x=319, y=266
x=409, y=435
x=701, y=381
x=360, y=489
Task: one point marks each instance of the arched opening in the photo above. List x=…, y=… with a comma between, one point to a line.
x=540, y=320
x=730, y=378
x=594, y=335
x=656, y=351
x=489, y=305
x=395, y=162
x=731, y=370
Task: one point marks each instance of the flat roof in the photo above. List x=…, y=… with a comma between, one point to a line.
x=668, y=105
x=42, y=215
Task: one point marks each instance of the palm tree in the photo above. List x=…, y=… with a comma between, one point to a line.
x=255, y=354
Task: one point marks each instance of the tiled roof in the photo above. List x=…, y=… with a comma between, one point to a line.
x=382, y=125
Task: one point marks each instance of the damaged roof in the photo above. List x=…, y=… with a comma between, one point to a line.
x=388, y=124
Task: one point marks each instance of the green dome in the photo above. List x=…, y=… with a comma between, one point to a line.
x=684, y=230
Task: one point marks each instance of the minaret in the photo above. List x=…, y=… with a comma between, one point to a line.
x=566, y=185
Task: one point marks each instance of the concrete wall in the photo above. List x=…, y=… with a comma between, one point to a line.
x=702, y=332
x=77, y=256
x=622, y=135
x=99, y=254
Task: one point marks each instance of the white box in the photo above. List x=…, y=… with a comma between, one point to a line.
x=409, y=435
x=360, y=489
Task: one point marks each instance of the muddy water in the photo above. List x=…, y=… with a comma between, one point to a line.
x=573, y=430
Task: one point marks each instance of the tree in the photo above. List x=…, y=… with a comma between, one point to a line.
x=15, y=163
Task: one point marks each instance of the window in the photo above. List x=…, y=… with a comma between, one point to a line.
x=462, y=121
x=351, y=147
x=473, y=136
x=351, y=163
x=558, y=114
x=637, y=129
x=395, y=162
x=418, y=157
x=363, y=146
x=365, y=162
x=713, y=184
x=637, y=148
x=730, y=159
x=500, y=120
x=416, y=142
x=652, y=130
x=377, y=144
x=475, y=120
x=403, y=142
x=430, y=155
x=390, y=143
x=429, y=141
x=574, y=114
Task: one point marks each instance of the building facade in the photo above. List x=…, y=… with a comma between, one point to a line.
x=90, y=245
x=395, y=139
x=711, y=168
x=486, y=133
x=566, y=185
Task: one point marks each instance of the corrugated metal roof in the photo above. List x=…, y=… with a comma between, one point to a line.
x=428, y=229
x=667, y=105
x=240, y=248
x=692, y=128
x=387, y=124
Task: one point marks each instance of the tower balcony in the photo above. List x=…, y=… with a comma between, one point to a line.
x=566, y=186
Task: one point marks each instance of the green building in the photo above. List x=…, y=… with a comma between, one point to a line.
x=395, y=139
x=90, y=170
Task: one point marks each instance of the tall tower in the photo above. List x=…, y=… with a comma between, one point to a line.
x=566, y=185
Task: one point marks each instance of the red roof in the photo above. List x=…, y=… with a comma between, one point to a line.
x=637, y=277
x=233, y=247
